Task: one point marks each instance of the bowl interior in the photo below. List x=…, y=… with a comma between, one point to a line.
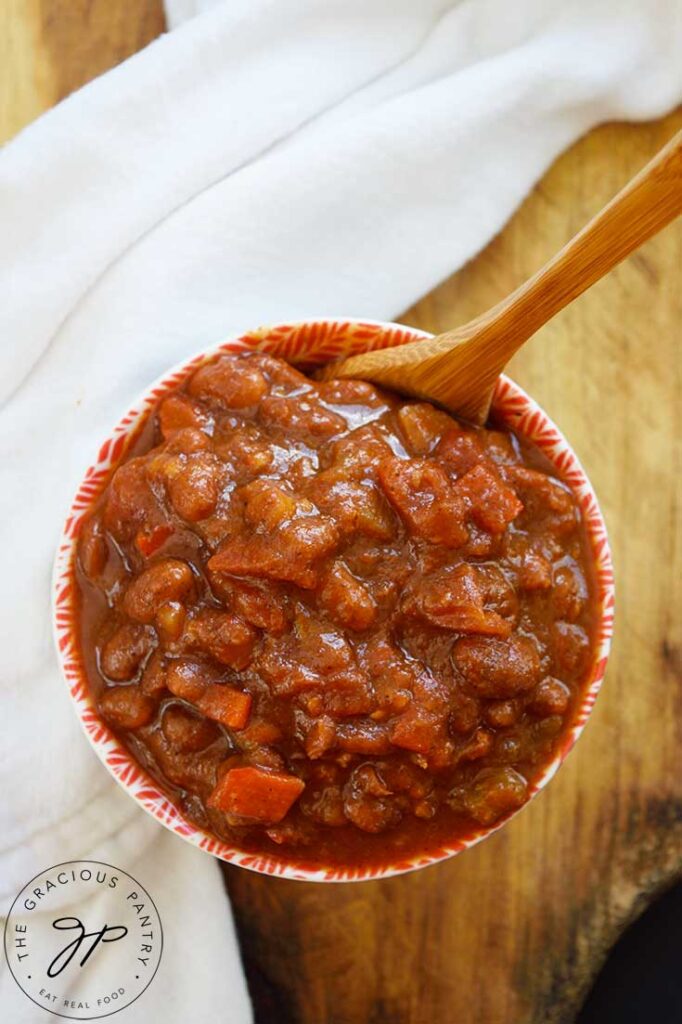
x=311, y=342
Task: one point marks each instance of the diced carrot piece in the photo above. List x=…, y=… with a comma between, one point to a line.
x=226, y=705
x=258, y=606
x=256, y=794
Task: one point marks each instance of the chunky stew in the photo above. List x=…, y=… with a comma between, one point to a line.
x=337, y=626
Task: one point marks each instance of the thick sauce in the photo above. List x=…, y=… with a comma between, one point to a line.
x=337, y=626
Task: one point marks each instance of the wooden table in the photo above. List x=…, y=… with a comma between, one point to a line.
x=514, y=930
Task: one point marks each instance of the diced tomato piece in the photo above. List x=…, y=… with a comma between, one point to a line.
x=226, y=705
x=346, y=599
x=256, y=794
x=356, y=507
x=493, y=505
x=320, y=737
x=460, y=451
x=149, y=540
x=363, y=737
x=291, y=553
x=545, y=499
x=260, y=733
x=260, y=607
x=427, y=501
x=359, y=453
x=422, y=425
x=417, y=730
x=301, y=417
x=268, y=504
x=468, y=599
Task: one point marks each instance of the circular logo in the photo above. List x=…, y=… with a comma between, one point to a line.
x=83, y=939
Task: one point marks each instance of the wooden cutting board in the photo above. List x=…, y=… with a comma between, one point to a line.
x=513, y=931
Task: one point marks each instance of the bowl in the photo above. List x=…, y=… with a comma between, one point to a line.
x=310, y=342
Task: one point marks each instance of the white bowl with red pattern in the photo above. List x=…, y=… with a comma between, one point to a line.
x=313, y=341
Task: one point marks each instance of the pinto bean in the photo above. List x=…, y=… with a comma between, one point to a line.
x=167, y=580
x=123, y=652
x=126, y=707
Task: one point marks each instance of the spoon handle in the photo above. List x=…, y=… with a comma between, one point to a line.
x=650, y=201
x=459, y=368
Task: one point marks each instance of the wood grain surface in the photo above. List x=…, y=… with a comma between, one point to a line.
x=512, y=931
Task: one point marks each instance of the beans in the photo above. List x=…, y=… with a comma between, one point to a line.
x=495, y=791
x=187, y=679
x=363, y=803
x=500, y=714
x=170, y=620
x=167, y=580
x=496, y=668
x=186, y=732
x=177, y=412
x=550, y=697
x=125, y=650
x=226, y=637
x=126, y=707
x=571, y=647
x=194, y=490
x=92, y=548
x=230, y=382
x=153, y=681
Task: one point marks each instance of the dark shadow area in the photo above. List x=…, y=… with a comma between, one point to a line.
x=642, y=979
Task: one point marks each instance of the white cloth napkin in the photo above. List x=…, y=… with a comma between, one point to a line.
x=268, y=159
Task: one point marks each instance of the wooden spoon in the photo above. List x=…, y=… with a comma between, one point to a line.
x=458, y=369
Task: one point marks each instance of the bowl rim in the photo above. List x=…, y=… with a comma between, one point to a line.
x=329, y=337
